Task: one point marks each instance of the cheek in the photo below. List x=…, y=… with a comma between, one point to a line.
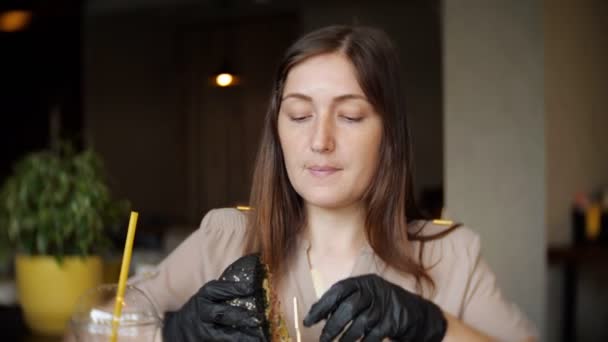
x=367, y=143
x=370, y=154
x=288, y=145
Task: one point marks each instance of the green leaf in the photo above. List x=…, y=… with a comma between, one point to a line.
x=57, y=202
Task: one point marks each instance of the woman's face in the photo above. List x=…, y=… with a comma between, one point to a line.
x=330, y=134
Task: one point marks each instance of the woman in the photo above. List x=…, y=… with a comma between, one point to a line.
x=335, y=221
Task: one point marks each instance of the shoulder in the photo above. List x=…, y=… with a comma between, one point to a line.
x=449, y=258
x=222, y=231
x=224, y=220
x=448, y=232
x=445, y=246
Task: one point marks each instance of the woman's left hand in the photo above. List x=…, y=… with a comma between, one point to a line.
x=378, y=309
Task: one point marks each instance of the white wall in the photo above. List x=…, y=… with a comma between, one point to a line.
x=494, y=138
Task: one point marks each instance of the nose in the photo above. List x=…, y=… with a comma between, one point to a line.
x=323, y=139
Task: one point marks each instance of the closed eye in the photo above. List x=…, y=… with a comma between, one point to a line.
x=299, y=118
x=352, y=118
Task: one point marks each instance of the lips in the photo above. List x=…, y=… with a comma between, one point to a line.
x=323, y=170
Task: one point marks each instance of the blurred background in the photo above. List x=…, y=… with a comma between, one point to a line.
x=507, y=104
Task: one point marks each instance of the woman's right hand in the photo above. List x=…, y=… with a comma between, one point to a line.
x=207, y=317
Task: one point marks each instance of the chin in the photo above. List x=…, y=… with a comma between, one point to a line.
x=326, y=201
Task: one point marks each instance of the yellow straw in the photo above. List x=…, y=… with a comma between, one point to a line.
x=124, y=272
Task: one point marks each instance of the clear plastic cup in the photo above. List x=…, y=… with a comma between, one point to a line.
x=93, y=316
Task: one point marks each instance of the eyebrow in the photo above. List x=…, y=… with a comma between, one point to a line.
x=340, y=98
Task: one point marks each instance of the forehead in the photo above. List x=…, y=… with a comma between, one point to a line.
x=330, y=74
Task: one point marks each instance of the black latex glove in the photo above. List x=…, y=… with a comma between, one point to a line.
x=378, y=309
x=208, y=315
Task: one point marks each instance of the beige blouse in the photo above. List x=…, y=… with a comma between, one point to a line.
x=464, y=284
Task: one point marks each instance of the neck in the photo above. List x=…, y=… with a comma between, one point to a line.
x=338, y=231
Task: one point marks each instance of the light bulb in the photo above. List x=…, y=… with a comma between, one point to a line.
x=15, y=20
x=224, y=80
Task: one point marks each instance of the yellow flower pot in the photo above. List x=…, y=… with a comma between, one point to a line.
x=48, y=291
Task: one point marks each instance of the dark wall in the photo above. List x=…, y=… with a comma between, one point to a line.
x=40, y=68
x=175, y=145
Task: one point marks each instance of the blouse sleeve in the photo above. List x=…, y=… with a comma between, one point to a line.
x=198, y=259
x=485, y=307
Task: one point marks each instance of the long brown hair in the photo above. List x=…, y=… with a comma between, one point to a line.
x=278, y=216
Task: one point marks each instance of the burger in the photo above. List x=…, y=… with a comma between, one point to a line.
x=264, y=301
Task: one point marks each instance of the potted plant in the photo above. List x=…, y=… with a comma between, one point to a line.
x=55, y=212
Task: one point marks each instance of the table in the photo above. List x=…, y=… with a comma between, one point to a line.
x=571, y=257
